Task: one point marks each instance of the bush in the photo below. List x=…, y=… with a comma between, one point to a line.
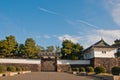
x=11, y=68
x=25, y=69
x=100, y=69
x=116, y=70
x=2, y=69
x=89, y=69
x=75, y=69
x=18, y=69
x=81, y=69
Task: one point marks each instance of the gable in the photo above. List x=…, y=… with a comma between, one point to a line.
x=99, y=44
x=102, y=43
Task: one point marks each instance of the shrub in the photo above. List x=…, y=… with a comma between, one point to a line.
x=18, y=69
x=75, y=69
x=100, y=69
x=25, y=69
x=89, y=69
x=81, y=69
x=2, y=69
x=11, y=68
x=116, y=70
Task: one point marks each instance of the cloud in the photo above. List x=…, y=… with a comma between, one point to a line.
x=116, y=15
x=47, y=36
x=74, y=39
x=95, y=35
x=114, y=7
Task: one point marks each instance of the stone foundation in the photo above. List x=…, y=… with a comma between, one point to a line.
x=32, y=67
x=67, y=67
x=108, y=63
x=63, y=68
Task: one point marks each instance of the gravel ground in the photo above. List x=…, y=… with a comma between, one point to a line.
x=47, y=76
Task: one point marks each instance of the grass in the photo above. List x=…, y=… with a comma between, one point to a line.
x=104, y=74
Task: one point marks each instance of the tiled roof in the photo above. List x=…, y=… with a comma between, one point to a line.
x=48, y=54
x=100, y=44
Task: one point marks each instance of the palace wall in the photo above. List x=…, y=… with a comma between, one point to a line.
x=35, y=64
x=108, y=63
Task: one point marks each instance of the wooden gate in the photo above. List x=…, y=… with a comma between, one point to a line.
x=48, y=64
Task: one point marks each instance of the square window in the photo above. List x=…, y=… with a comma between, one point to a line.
x=104, y=52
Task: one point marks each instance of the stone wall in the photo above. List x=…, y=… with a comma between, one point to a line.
x=32, y=67
x=67, y=67
x=108, y=63
x=63, y=68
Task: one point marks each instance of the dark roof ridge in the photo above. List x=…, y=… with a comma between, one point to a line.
x=95, y=45
x=101, y=41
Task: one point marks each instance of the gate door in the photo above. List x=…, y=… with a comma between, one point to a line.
x=48, y=64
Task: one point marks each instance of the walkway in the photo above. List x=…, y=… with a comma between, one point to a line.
x=47, y=76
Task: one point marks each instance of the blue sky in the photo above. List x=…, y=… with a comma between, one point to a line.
x=49, y=22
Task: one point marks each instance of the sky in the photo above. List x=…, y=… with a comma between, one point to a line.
x=49, y=22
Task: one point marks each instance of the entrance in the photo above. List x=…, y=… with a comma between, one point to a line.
x=48, y=65
x=48, y=62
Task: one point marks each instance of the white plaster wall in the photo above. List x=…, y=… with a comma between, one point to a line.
x=38, y=61
x=84, y=62
x=23, y=61
x=108, y=54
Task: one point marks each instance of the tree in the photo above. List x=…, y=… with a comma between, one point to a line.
x=30, y=48
x=3, y=48
x=21, y=50
x=50, y=48
x=57, y=49
x=41, y=49
x=71, y=50
x=8, y=46
x=12, y=43
x=116, y=43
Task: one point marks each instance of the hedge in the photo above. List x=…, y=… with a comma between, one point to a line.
x=2, y=69
x=89, y=69
x=11, y=68
x=100, y=69
x=81, y=69
x=115, y=70
x=18, y=69
x=75, y=69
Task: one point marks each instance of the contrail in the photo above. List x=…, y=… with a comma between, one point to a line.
x=58, y=14
x=84, y=22
x=50, y=12
x=47, y=11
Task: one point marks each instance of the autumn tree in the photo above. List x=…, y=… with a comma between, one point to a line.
x=31, y=49
x=71, y=50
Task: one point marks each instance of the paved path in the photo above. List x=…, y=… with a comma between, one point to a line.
x=47, y=76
